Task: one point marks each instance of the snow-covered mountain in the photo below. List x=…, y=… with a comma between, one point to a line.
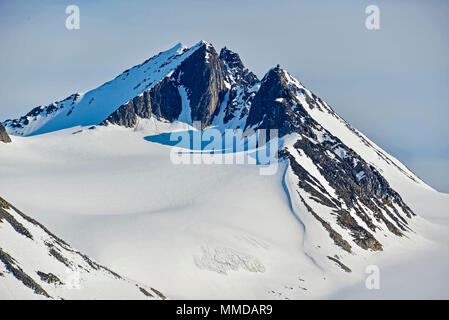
x=350, y=200
x=37, y=264
x=195, y=78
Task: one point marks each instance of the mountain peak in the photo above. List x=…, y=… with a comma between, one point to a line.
x=274, y=72
x=179, y=48
x=203, y=43
x=231, y=58
x=274, y=104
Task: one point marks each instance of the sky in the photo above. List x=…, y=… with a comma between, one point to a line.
x=392, y=84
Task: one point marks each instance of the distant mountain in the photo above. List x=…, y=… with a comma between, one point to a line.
x=338, y=181
x=34, y=263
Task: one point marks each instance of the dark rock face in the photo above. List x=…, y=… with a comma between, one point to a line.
x=273, y=104
x=340, y=264
x=241, y=80
x=126, y=114
x=4, y=137
x=203, y=75
x=49, y=278
x=165, y=100
x=207, y=78
x=17, y=226
x=356, y=182
x=234, y=64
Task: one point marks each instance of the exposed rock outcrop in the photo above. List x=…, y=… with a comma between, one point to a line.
x=242, y=82
x=4, y=137
x=273, y=104
x=203, y=75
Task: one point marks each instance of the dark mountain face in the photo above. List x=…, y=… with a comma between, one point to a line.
x=273, y=104
x=206, y=78
x=241, y=75
x=359, y=188
x=202, y=76
x=126, y=114
x=4, y=137
x=241, y=81
x=163, y=100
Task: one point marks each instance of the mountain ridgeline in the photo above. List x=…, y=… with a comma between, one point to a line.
x=336, y=172
x=205, y=79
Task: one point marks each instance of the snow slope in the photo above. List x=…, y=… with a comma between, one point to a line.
x=35, y=264
x=192, y=231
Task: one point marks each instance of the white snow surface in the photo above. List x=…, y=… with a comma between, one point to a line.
x=210, y=231
x=206, y=231
x=77, y=277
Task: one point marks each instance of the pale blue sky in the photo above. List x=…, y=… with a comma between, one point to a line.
x=392, y=84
